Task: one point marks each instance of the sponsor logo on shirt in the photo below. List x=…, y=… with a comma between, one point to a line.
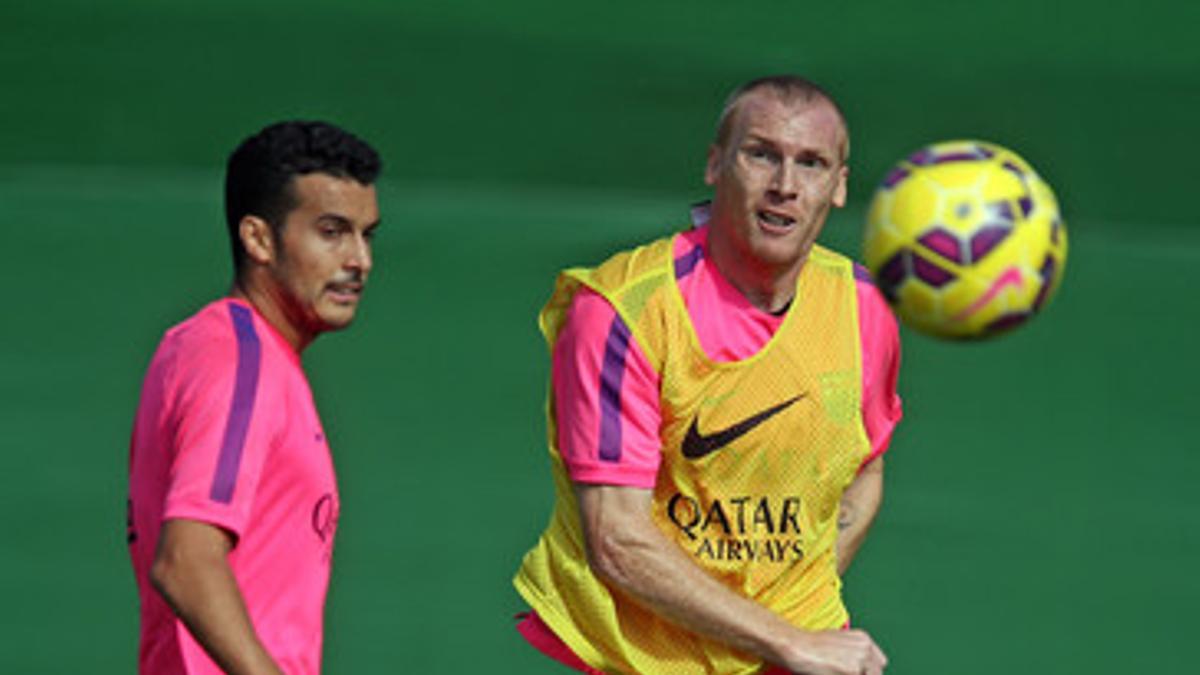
x=325, y=519
x=697, y=445
x=744, y=528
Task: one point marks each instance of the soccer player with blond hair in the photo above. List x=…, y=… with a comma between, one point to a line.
x=721, y=400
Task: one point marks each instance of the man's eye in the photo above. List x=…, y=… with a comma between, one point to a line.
x=760, y=154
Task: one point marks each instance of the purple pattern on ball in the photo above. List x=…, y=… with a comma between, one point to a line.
x=1047, y=273
x=1054, y=228
x=927, y=156
x=891, y=274
x=987, y=239
x=958, y=157
x=1006, y=322
x=930, y=273
x=894, y=177
x=922, y=157
x=1015, y=169
x=944, y=244
x=1001, y=211
x=1026, y=205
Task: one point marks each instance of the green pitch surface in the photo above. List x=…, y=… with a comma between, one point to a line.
x=1041, y=513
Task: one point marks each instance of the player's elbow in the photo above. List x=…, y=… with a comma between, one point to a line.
x=619, y=534
x=614, y=555
x=191, y=555
x=606, y=558
x=168, y=574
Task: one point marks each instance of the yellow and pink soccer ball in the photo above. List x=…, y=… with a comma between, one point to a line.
x=965, y=240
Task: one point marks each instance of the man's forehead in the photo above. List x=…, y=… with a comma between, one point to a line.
x=328, y=193
x=328, y=186
x=768, y=114
x=765, y=109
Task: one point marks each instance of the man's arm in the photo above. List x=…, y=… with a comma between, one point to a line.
x=859, y=505
x=626, y=548
x=192, y=573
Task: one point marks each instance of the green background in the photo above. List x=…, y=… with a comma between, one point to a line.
x=1041, y=514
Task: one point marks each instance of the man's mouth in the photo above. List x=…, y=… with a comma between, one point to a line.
x=776, y=220
x=348, y=291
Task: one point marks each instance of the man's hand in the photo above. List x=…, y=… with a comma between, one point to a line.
x=836, y=652
x=191, y=572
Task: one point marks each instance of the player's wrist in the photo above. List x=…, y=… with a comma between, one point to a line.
x=806, y=652
x=786, y=646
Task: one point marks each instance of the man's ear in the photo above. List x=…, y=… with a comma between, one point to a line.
x=258, y=239
x=712, y=165
x=839, y=192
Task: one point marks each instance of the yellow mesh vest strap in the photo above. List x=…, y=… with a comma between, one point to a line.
x=631, y=281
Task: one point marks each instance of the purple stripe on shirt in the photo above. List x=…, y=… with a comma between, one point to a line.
x=686, y=263
x=241, y=406
x=862, y=273
x=611, y=374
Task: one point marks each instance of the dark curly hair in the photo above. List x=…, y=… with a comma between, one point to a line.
x=259, y=175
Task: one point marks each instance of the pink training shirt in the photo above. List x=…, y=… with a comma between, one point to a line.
x=227, y=434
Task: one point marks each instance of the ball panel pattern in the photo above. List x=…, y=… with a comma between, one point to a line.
x=965, y=240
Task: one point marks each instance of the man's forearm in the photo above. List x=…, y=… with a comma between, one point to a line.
x=192, y=574
x=653, y=570
x=857, y=511
x=633, y=555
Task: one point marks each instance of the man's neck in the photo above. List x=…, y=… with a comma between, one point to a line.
x=272, y=308
x=767, y=287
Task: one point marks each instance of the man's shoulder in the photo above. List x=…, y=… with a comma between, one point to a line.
x=873, y=308
x=211, y=329
x=628, y=278
x=864, y=282
x=213, y=343
x=877, y=324
x=225, y=349
x=636, y=260
x=869, y=295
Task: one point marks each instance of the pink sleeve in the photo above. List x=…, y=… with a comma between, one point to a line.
x=220, y=432
x=881, y=367
x=605, y=398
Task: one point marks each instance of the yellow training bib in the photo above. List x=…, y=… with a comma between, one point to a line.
x=755, y=456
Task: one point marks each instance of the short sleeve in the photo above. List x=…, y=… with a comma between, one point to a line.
x=880, y=337
x=221, y=431
x=605, y=398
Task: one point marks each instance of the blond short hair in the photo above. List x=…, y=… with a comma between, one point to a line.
x=789, y=88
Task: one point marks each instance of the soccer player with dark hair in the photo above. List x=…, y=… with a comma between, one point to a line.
x=720, y=403
x=233, y=502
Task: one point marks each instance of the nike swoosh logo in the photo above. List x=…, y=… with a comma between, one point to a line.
x=697, y=445
x=1011, y=277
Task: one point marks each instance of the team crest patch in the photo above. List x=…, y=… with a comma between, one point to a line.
x=838, y=396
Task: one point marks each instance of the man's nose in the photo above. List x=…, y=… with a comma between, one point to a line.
x=783, y=181
x=360, y=254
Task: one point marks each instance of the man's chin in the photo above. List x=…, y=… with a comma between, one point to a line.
x=779, y=252
x=334, y=320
